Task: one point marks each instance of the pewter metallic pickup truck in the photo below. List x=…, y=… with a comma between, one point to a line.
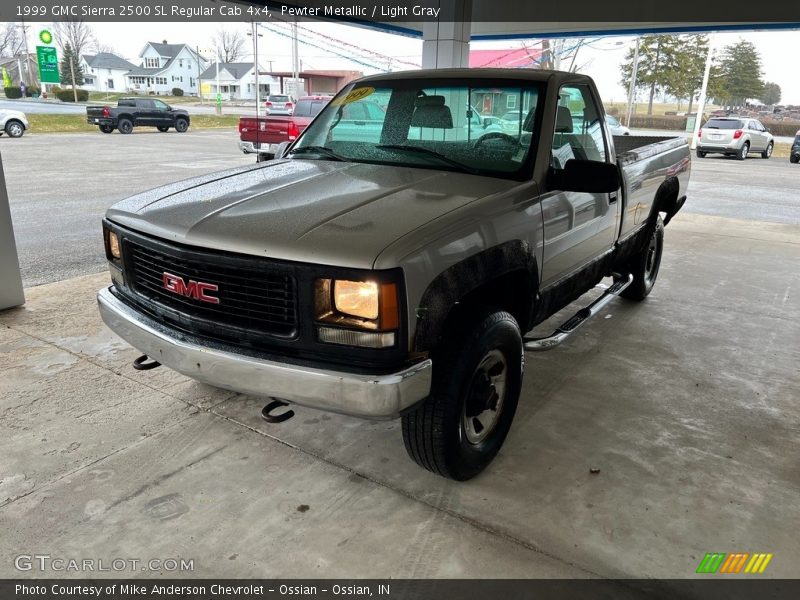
x=392, y=271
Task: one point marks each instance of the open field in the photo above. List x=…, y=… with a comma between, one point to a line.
x=43, y=123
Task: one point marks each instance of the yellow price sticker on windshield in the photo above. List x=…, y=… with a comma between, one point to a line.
x=354, y=96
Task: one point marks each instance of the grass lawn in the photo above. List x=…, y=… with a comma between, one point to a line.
x=112, y=97
x=77, y=123
x=659, y=108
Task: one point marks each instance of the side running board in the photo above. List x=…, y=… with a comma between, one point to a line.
x=569, y=326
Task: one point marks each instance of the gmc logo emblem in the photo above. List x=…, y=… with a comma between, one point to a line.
x=193, y=289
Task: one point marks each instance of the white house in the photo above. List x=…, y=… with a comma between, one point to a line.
x=164, y=67
x=105, y=72
x=237, y=81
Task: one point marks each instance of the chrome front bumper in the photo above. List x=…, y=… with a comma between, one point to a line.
x=368, y=396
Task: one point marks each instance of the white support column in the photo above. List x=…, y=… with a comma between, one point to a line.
x=446, y=44
x=11, y=293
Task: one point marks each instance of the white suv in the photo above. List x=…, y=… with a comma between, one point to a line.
x=734, y=136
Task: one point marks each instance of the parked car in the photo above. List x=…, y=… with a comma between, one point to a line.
x=279, y=104
x=511, y=122
x=13, y=122
x=137, y=112
x=615, y=127
x=263, y=135
x=734, y=136
x=794, y=154
x=392, y=271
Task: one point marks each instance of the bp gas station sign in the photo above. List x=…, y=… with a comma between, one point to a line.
x=47, y=58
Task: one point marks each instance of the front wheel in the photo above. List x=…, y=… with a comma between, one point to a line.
x=768, y=152
x=181, y=125
x=14, y=129
x=477, y=378
x=743, y=151
x=644, y=266
x=794, y=159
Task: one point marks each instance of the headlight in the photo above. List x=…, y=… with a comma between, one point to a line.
x=362, y=305
x=113, y=245
x=356, y=298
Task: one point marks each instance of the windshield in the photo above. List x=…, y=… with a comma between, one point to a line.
x=309, y=108
x=724, y=124
x=274, y=98
x=412, y=123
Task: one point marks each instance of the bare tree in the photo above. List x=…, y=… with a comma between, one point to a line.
x=97, y=47
x=11, y=42
x=230, y=45
x=77, y=34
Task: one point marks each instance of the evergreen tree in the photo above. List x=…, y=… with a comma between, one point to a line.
x=771, y=94
x=71, y=72
x=739, y=75
x=658, y=63
x=690, y=65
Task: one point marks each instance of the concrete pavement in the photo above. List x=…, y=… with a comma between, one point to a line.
x=686, y=403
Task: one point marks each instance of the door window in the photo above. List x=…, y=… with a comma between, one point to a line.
x=579, y=129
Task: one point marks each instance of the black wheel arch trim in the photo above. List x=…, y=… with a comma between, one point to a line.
x=459, y=280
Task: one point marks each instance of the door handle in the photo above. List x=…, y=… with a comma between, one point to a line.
x=612, y=197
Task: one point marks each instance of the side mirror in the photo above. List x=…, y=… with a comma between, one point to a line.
x=280, y=151
x=585, y=176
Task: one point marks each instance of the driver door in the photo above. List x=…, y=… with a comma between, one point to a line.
x=578, y=226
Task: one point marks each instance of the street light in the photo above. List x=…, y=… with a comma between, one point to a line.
x=255, y=37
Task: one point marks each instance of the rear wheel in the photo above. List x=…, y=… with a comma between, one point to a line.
x=125, y=126
x=477, y=378
x=181, y=125
x=644, y=266
x=162, y=128
x=14, y=129
x=106, y=128
x=768, y=152
x=743, y=151
x=264, y=157
x=701, y=154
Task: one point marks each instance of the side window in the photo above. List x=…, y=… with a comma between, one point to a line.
x=578, y=130
x=159, y=105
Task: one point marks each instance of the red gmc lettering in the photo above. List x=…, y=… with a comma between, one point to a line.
x=193, y=289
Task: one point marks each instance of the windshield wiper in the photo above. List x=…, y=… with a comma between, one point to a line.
x=324, y=151
x=420, y=150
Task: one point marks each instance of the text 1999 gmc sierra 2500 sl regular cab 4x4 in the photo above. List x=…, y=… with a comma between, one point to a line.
x=392, y=272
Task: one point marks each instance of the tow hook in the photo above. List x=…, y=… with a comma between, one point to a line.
x=142, y=364
x=266, y=412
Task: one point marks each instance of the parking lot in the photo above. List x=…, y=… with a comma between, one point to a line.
x=686, y=405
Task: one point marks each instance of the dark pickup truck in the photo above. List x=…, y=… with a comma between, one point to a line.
x=137, y=112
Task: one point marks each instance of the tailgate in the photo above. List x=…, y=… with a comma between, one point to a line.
x=263, y=130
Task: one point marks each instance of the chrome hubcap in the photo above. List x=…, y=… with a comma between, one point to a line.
x=15, y=129
x=745, y=150
x=485, y=397
x=650, y=260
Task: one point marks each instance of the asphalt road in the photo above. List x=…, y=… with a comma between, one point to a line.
x=67, y=108
x=61, y=184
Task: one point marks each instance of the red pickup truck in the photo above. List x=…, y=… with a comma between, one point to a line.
x=262, y=135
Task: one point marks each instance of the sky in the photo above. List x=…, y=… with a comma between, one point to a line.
x=381, y=51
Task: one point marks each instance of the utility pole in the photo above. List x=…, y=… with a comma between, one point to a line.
x=295, y=58
x=72, y=71
x=632, y=89
x=701, y=104
x=219, y=92
x=256, y=35
x=199, y=89
x=27, y=56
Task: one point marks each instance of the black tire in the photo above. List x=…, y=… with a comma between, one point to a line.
x=106, y=128
x=645, y=265
x=444, y=434
x=768, y=152
x=701, y=154
x=181, y=125
x=125, y=126
x=14, y=128
x=162, y=128
x=794, y=159
x=743, y=151
x=264, y=157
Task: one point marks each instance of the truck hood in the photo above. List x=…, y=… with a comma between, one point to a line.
x=315, y=211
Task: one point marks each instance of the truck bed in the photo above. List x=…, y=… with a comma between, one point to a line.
x=633, y=148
